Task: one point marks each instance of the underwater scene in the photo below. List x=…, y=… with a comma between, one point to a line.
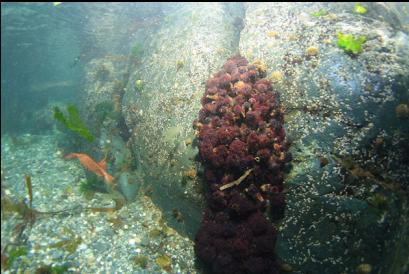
x=209, y=138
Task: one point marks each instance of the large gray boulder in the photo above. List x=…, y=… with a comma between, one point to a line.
x=163, y=97
x=349, y=181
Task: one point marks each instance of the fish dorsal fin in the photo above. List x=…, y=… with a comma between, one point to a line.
x=102, y=163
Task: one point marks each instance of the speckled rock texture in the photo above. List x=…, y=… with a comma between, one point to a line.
x=345, y=114
x=191, y=44
x=349, y=182
x=67, y=230
x=105, y=81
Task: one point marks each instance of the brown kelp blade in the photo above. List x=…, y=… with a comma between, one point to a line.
x=29, y=189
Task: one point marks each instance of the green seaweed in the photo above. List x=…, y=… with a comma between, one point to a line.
x=8, y=206
x=70, y=245
x=359, y=9
x=73, y=122
x=179, y=64
x=15, y=253
x=87, y=189
x=155, y=233
x=58, y=269
x=319, y=13
x=349, y=43
x=141, y=261
x=164, y=261
x=29, y=190
x=92, y=185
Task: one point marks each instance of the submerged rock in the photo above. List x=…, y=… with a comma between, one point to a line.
x=337, y=105
x=105, y=81
x=160, y=115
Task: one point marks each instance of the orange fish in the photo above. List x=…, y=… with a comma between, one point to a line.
x=91, y=165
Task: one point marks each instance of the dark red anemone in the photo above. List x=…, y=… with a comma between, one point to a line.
x=240, y=128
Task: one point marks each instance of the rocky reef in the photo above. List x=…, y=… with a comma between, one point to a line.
x=346, y=116
x=340, y=109
x=243, y=150
x=160, y=114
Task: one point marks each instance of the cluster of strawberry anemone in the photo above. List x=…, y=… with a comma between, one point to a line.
x=243, y=150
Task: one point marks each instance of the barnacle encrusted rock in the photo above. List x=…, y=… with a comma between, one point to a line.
x=337, y=106
x=160, y=116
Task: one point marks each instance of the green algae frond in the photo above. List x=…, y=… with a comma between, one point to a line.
x=359, y=9
x=29, y=189
x=73, y=122
x=141, y=261
x=164, y=262
x=179, y=64
x=8, y=206
x=92, y=185
x=349, y=43
x=70, y=245
x=15, y=253
x=319, y=13
x=59, y=269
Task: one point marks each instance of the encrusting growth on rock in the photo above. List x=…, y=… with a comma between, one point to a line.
x=243, y=150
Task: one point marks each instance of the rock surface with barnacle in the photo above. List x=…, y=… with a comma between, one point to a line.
x=338, y=107
x=342, y=108
x=160, y=115
x=105, y=81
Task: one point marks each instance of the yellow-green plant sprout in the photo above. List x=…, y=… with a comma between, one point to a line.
x=179, y=64
x=319, y=13
x=359, y=9
x=138, y=85
x=349, y=43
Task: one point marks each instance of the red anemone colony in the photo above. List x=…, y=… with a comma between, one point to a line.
x=241, y=147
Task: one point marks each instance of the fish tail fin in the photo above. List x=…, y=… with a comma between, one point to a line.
x=109, y=178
